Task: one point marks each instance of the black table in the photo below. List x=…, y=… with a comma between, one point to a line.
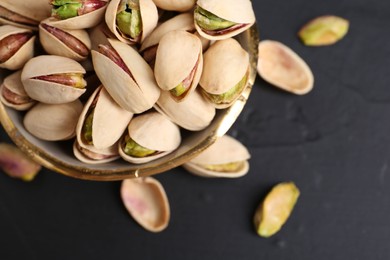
x=334, y=143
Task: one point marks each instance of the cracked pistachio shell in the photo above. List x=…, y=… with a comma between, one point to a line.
x=25, y=52
x=55, y=46
x=109, y=120
x=93, y=155
x=146, y=201
x=155, y=132
x=237, y=11
x=283, y=68
x=224, y=151
x=194, y=114
x=14, y=84
x=276, y=208
x=175, y=5
x=178, y=54
x=50, y=92
x=135, y=95
x=149, y=19
x=53, y=122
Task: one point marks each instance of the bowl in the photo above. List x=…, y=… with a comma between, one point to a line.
x=58, y=156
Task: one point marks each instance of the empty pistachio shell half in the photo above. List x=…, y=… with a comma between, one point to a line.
x=179, y=64
x=53, y=122
x=146, y=201
x=225, y=72
x=324, y=30
x=226, y=158
x=222, y=19
x=283, y=68
x=16, y=164
x=91, y=155
x=276, y=208
x=53, y=79
x=12, y=93
x=175, y=5
x=150, y=136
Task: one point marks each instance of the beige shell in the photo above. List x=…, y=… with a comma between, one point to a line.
x=225, y=65
x=149, y=17
x=225, y=150
x=105, y=155
x=153, y=131
x=99, y=35
x=178, y=54
x=194, y=114
x=54, y=46
x=25, y=53
x=53, y=122
x=175, y=5
x=49, y=92
x=135, y=96
x=237, y=11
x=282, y=67
x=146, y=201
x=14, y=83
x=109, y=120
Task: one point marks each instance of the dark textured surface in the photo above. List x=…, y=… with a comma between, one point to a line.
x=334, y=143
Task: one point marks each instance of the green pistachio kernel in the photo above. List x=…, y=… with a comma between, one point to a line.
x=227, y=167
x=64, y=9
x=133, y=149
x=179, y=90
x=209, y=21
x=128, y=18
x=87, y=128
x=231, y=94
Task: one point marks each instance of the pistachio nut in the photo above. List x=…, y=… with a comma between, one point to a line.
x=225, y=72
x=175, y=5
x=283, y=68
x=92, y=155
x=226, y=158
x=16, y=47
x=149, y=136
x=179, y=64
x=146, y=201
x=222, y=19
x=324, y=30
x=126, y=76
x=53, y=122
x=12, y=93
x=276, y=208
x=131, y=20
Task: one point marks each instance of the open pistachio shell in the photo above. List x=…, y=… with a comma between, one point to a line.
x=175, y=5
x=74, y=44
x=53, y=122
x=179, y=62
x=12, y=93
x=92, y=155
x=46, y=91
x=239, y=12
x=149, y=19
x=146, y=201
x=283, y=68
x=226, y=64
x=23, y=52
x=226, y=151
x=152, y=131
x=136, y=93
x=194, y=114
x=109, y=120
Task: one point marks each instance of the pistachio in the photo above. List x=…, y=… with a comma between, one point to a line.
x=16, y=164
x=93, y=155
x=135, y=150
x=276, y=208
x=128, y=18
x=13, y=17
x=209, y=21
x=175, y=5
x=65, y=9
x=324, y=30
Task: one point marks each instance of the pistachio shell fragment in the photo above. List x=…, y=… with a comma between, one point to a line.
x=283, y=68
x=324, y=30
x=16, y=164
x=146, y=201
x=175, y=5
x=276, y=208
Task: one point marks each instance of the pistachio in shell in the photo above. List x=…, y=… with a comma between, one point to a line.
x=225, y=72
x=222, y=19
x=53, y=122
x=16, y=47
x=283, y=68
x=126, y=76
x=175, y=5
x=53, y=79
x=226, y=158
x=149, y=136
x=92, y=155
x=131, y=20
x=146, y=201
x=179, y=64
x=12, y=93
